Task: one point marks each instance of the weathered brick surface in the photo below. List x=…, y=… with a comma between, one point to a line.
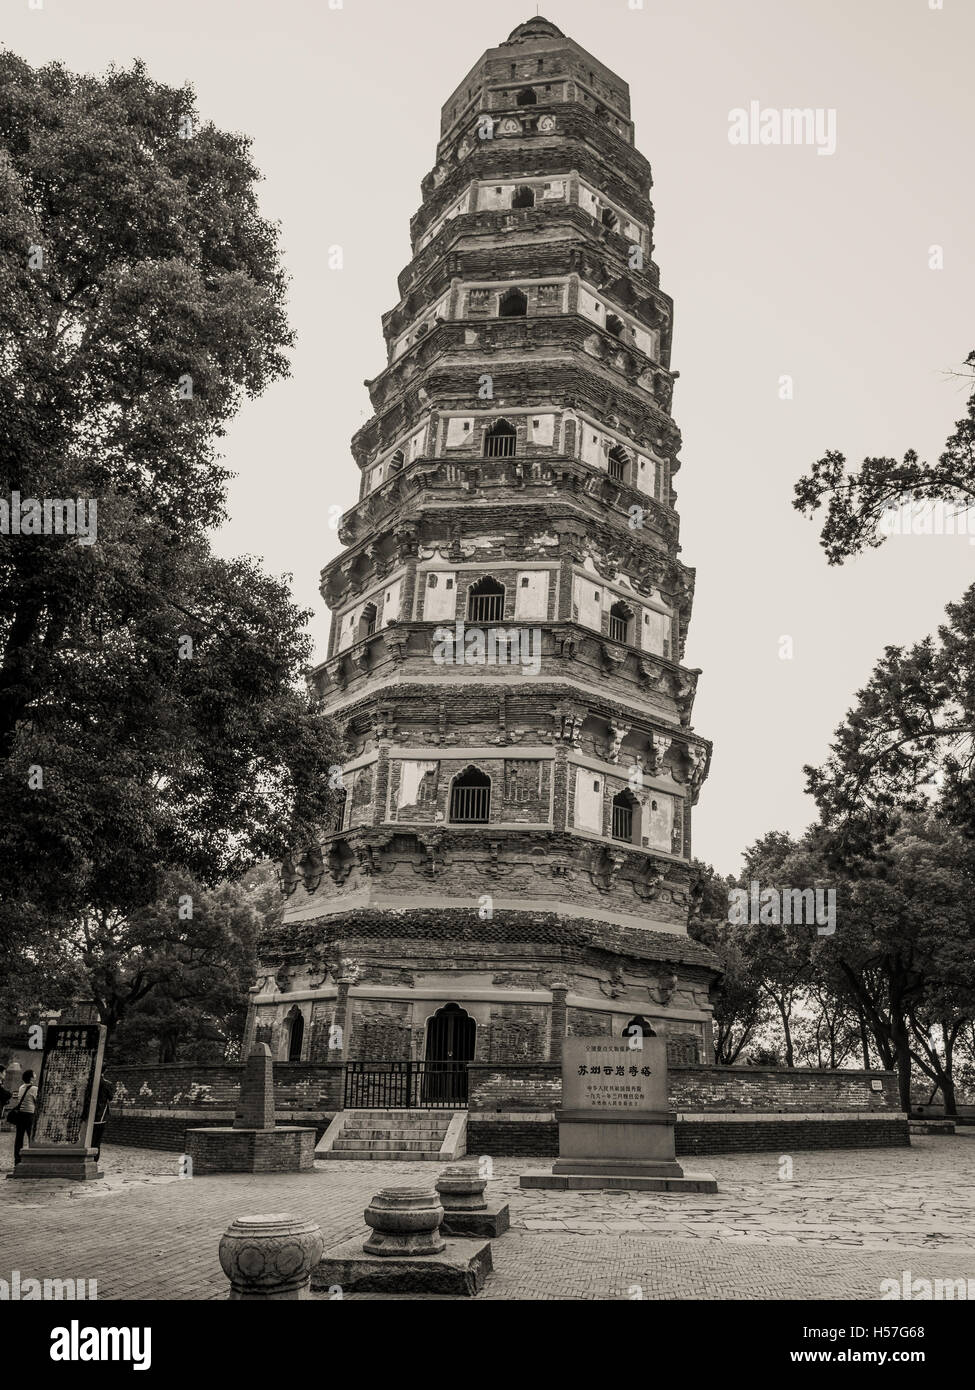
x=251, y=1151
x=762, y=1136
x=302, y=1085
x=166, y=1129
x=765, y=1089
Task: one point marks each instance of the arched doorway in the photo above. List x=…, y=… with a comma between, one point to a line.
x=451, y=1034
x=296, y=1034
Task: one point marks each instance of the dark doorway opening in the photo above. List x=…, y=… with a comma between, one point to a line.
x=451, y=1035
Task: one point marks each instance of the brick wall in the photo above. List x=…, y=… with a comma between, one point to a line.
x=765, y=1090
x=701, y=1088
x=298, y=1085
x=513, y=1106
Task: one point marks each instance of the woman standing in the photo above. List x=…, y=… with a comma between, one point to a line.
x=21, y=1114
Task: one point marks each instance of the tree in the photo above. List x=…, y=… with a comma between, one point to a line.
x=909, y=738
x=777, y=955
x=168, y=980
x=152, y=714
x=739, y=1011
x=905, y=946
x=857, y=500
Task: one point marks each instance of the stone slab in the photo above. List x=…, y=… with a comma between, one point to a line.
x=619, y=1166
x=620, y=1182
x=491, y=1221
x=461, y=1269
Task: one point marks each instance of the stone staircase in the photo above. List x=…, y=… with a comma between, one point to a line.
x=405, y=1135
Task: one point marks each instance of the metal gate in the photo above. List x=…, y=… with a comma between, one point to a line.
x=405, y=1085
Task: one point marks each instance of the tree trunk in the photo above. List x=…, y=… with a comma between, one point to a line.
x=902, y=1058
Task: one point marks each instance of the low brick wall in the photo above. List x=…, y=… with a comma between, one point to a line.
x=141, y=1128
x=513, y=1135
x=513, y=1106
x=287, y=1150
x=706, y=1134
x=768, y=1090
x=699, y=1087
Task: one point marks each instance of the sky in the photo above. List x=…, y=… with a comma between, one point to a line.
x=781, y=262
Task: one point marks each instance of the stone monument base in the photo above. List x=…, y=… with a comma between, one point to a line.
x=284, y=1149
x=621, y=1181
x=461, y=1268
x=492, y=1220
x=39, y=1161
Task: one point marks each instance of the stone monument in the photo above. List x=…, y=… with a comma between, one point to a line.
x=253, y=1143
x=615, y=1128
x=71, y=1068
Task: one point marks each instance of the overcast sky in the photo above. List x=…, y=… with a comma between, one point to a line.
x=780, y=262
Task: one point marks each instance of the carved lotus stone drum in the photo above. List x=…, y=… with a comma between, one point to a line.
x=461, y=1188
x=404, y=1221
x=270, y=1256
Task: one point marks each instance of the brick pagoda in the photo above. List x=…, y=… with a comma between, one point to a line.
x=509, y=618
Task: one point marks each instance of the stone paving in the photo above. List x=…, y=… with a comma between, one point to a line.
x=844, y=1221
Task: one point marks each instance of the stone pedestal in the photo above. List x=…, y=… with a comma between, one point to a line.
x=44, y=1161
x=467, y=1212
x=405, y=1251
x=404, y=1221
x=221, y=1149
x=270, y=1257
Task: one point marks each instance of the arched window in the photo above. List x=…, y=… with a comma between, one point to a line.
x=638, y=1028
x=499, y=441
x=367, y=623
x=485, y=601
x=620, y=623
x=527, y=96
x=339, y=818
x=609, y=218
x=396, y=463
x=513, y=305
x=470, y=797
x=614, y=325
x=524, y=198
x=617, y=463
x=296, y=1034
x=626, y=817
x=601, y=113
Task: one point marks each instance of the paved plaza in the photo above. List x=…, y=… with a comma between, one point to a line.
x=845, y=1221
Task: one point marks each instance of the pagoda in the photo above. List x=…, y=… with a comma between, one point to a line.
x=511, y=862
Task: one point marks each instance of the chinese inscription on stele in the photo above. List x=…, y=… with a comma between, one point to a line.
x=622, y=1075
x=68, y=1086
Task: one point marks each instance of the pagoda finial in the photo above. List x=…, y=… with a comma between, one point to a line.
x=535, y=28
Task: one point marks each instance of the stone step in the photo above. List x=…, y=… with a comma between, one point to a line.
x=397, y=1133
x=394, y=1155
x=389, y=1145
